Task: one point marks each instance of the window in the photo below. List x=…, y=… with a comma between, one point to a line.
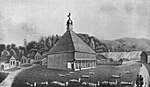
x=13, y=62
x=76, y=65
x=69, y=65
x=82, y=63
x=10, y=62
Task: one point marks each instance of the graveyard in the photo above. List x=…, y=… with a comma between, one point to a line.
x=101, y=75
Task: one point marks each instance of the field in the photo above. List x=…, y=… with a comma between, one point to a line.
x=100, y=73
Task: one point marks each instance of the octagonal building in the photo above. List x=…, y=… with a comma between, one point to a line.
x=71, y=52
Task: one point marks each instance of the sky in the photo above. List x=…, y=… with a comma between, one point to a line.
x=104, y=19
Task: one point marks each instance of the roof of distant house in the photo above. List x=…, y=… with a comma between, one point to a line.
x=147, y=52
x=120, y=55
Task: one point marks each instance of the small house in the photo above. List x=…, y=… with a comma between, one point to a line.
x=37, y=56
x=4, y=63
x=12, y=62
x=25, y=60
x=148, y=56
x=131, y=56
x=4, y=60
x=101, y=59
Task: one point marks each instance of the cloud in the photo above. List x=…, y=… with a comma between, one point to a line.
x=104, y=19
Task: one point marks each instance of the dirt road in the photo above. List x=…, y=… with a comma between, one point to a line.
x=10, y=78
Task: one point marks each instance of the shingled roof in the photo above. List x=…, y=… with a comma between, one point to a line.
x=147, y=52
x=70, y=42
x=133, y=55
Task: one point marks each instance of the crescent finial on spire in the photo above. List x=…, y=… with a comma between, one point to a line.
x=69, y=15
x=69, y=23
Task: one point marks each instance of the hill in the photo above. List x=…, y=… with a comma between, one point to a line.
x=127, y=44
x=117, y=45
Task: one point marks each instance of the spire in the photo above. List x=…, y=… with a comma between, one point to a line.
x=69, y=23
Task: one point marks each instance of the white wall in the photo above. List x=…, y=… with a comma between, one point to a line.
x=148, y=60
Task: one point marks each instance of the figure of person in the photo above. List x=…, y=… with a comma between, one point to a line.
x=137, y=81
x=141, y=81
x=98, y=83
x=66, y=84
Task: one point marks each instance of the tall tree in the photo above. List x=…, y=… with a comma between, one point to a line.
x=13, y=46
x=49, y=42
x=2, y=47
x=8, y=47
x=42, y=47
x=31, y=45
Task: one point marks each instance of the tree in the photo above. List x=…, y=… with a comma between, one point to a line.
x=21, y=48
x=8, y=47
x=13, y=46
x=31, y=45
x=16, y=49
x=2, y=47
x=49, y=42
x=41, y=45
x=56, y=38
x=111, y=60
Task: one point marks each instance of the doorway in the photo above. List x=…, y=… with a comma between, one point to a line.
x=17, y=63
x=2, y=67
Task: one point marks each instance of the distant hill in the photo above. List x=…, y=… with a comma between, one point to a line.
x=127, y=44
x=117, y=45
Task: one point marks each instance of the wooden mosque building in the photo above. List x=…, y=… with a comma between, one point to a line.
x=71, y=52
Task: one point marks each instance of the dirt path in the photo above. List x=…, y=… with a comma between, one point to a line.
x=10, y=78
x=144, y=72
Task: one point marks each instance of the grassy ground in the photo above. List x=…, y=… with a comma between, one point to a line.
x=26, y=65
x=101, y=73
x=13, y=69
x=3, y=76
x=147, y=66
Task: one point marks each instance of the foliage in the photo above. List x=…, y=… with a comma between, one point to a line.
x=44, y=44
x=2, y=47
x=13, y=46
x=31, y=45
x=111, y=60
x=98, y=45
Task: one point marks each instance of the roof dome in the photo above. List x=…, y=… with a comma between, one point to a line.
x=69, y=21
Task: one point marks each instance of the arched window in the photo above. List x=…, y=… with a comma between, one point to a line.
x=13, y=62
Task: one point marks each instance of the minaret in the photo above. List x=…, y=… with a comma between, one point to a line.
x=69, y=23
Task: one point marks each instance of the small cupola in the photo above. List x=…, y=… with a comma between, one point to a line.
x=69, y=23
